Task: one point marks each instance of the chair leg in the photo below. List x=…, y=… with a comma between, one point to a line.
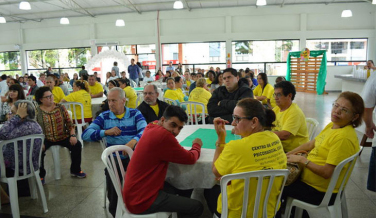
x=288, y=208
x=13, y=195
x=298, y=212
x=345, y=213
x=32, y=186
x=55, y=149
x=41, y=191
x=105, y=195
x=79, y=133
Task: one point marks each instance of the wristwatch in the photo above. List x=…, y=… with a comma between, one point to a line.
x=73, y=135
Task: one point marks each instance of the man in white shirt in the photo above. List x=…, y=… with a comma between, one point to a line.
x=148, y=78
x=170, y=67
x=42, y=79
x=3, y=85
x=369, y=97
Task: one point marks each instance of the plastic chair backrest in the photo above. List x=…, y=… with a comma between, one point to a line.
x=103, y=143
x=109, y=155
x=160, y=97
x=192, y=112
x=27, y=157
x=312, y=126
x=133, y=84
x=334, y=179
x=140, y=99
x=170, y=101
x=73, y=107
x=260, y=176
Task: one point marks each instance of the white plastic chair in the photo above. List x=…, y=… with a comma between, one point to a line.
x=108, y=159
x=140, y=99
x=170, y=101
x=160, y=97
x=312, y=126
x=103, y=144
x=192, y=112
x=260, y=176
x=339, y=207
x=32, y=176
x=72, y=106
x=133, y=84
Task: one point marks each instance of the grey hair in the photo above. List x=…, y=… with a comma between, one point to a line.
x=120, y=91
x=155, y=87
x=30, y=109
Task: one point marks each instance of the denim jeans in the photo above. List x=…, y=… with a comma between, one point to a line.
x=371, y=183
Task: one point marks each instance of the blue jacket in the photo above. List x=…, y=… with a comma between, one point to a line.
x=133, y=71
x=132, y=126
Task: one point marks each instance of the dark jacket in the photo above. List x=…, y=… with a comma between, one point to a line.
x=228, y=101
x=149, y=113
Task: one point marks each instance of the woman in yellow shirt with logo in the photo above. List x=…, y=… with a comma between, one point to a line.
x=80, y=94
x=200, y=94
x=334, y=144
x=257, y=150
x=130, y=93
x=174, y=94
x=264, y=90
x=57, y=92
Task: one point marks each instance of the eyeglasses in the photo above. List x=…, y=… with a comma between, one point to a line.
x=342, y=109
x=48, y=96
x=237, y=119
x=149, y=93
x=278, y=95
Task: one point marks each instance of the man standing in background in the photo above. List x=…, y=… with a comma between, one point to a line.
x=133, y=71
x=116, y=69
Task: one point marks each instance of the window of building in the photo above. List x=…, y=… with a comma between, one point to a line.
x=341, y=51
x=10, y=63
x=194, y=56
x=263, y=56
x=67, y=60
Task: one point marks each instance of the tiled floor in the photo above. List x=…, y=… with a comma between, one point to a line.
x=72, y=197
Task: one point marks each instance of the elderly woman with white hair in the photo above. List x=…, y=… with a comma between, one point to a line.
x=21, y=123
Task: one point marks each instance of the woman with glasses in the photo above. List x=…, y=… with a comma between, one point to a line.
x=263, y=91
x=15, y=93
x=58, y=129
x=336, y=142
x=257, y=150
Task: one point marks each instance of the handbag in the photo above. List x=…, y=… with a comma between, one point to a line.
x=295, y=169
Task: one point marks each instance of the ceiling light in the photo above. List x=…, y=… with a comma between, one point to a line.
x=261, y=2
x=120, y=22
x=374, y=2
x=25, y=6
x=2, y=20
x=178, y=5
x=64, y=20
x=346, y=13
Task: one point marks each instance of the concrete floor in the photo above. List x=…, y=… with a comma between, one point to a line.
x=72, y=197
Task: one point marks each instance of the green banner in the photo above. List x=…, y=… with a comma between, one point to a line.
x=208, y=137
x=320, y=85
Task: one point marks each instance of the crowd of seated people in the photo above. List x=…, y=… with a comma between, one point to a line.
x=259, y=113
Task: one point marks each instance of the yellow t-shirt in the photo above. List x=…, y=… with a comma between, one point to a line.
x=120, y=116
x=188, y=82
x=331, y=147
x=58, y=94
x=208, y=81
x=82, y=97
x=130, y=93
x=268, y=93
x=96, y=88
x=259, y=151
x=174, y=95
x=201, y=95
x=155, y=109
x=293, y=121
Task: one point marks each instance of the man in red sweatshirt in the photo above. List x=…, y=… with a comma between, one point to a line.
x=144, y=189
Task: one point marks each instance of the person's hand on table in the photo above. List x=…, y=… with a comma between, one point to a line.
x=198, y=141
x=114, y=131
x=219, y=125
